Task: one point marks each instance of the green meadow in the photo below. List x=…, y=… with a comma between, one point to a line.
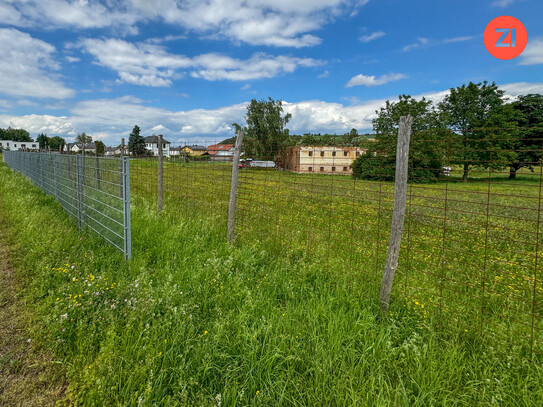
x=289, y=314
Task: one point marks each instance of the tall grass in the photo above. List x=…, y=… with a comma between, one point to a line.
x=194, y=321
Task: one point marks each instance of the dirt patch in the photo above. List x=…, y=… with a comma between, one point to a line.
x=28, y=377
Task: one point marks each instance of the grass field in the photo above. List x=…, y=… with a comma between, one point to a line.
x=468, y=253
x=194, y=321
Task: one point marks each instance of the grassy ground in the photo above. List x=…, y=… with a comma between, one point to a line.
x=28, y=376
x=470, y=252
x=193, y=321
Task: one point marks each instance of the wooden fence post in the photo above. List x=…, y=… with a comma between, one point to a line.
x=234, y=188
x=160, y=173
x=398, y=215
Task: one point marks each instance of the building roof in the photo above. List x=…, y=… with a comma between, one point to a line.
x=154, y=139
x=215, y=148
x=196, y=148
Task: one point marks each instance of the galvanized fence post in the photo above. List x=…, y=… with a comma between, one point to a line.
x=234, y=188
x=126, y=208
x=79, y=180
x=55, y=174
x=398, y=215
x=160, y=173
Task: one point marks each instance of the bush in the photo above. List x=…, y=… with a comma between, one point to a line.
x=380, y=168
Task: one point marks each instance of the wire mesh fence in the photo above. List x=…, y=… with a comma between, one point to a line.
x=472, y=242
x=94, y=190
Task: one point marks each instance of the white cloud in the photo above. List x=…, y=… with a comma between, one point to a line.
x=365, y=80
x=533, y=54
x=247, y=86
x=457, y=39
x=151, y=65
x=115, y=118
x=27, y=66
x=372, y=36
x=283, y=23
x=420, y=41
x=502, y=3
x=323, y=75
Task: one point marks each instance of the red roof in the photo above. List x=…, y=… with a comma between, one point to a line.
x=213, y=149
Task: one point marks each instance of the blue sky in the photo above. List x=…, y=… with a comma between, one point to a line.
x=188, y=68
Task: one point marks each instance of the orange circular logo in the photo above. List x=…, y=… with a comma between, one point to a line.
x=505, y=37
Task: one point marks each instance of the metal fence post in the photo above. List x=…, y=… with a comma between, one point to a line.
x=126, y=208
x=398, y=215
x=98, y=171
x=79, y=179
x=121, y=182
x=234, y=188
x=55, y=171
x=160, y=173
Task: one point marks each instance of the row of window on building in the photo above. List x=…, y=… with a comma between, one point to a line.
x=345, y=153
x=332, y=169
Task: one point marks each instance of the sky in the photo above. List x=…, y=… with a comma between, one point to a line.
x=188, y=68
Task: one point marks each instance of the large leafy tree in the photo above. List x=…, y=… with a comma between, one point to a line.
x=426, y=147
x=136, y=143
x=56, y=142
x=265, y=133
x=468, y=109
x=528, y=145
x=15, y=134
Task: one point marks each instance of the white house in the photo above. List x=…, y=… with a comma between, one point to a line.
x=151, y=144
x=19, y=145
x=77, y=147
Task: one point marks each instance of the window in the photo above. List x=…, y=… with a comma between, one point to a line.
x=345, y=153
x=333, y=168
x=322, y=169
x=309, y=169
x=310, y=153
x=344, y=168
x=333, y=153
x=358, y=153
x=322, y=153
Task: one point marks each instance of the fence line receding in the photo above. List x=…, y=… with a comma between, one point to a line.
x=94, y=190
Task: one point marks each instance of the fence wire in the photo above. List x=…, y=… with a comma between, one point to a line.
x=94, y=190
x=472, y=242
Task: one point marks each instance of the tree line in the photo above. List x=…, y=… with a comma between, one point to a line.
x=474, y=126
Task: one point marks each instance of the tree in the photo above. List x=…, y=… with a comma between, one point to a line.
x=100, y=147
x=136, y=143
x=56, y=143
x=15, y=134
x=83, y=139
x=427, y=150
x=265, y=135
x=467, y=109
x=43, y=141
x=529, y=109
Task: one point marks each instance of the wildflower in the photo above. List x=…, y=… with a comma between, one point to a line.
x=257, y=392
x=205, y=332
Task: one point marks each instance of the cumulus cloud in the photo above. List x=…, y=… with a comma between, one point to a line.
x=151, y=65
x=27, y=67
x=364, y=80
x=283, y=23
x=114, y=118
x=373, y=36
x=533, y=54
